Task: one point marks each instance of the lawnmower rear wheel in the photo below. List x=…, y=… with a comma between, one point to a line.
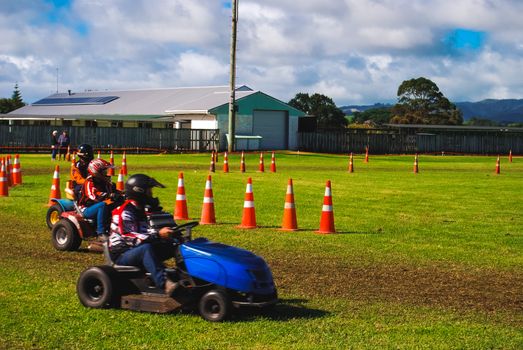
x=65, y=237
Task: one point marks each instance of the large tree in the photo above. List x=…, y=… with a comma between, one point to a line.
x=376, y=115
x=322, y=107
x=10, y=104
x=421, y=102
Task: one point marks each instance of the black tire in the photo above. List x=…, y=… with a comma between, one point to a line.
x=65, y=237
x=215, y=306
x=53, y=215
x=96, y=287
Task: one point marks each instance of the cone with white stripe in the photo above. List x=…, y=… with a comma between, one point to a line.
x=120, y=184
x=510, y=156
x=498, y=167
x=289, y=210
x=327, y=214
x=215, y=157
x=225, y=163
x=124, y=164
x=415, y=169
x=55, y=187
x=242, y=163
x=351, y=164
x=208, y=216
x=68, y=154
x=367, y=154
x=110, y=171
x=273, y=163
x=99, y=155
x=73, y=158
x=9, y=171
x=212, y=166
x=249, y=215
x=4, y=188
x=17, y=171
x=261, y=168
x=180, y=210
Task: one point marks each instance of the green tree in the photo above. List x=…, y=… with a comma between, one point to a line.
x=10, y=104
x=375, y=115
x=421, y=102
x=322, y=107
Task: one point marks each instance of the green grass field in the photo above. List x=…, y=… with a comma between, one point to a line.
x=428, y=260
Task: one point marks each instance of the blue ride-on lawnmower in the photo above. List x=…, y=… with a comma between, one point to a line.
x=213, y=278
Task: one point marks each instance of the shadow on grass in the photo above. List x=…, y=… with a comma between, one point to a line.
x=286, y=309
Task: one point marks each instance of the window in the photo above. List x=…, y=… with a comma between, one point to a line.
x=116, y=124
x=145, y=125
x=91, y=123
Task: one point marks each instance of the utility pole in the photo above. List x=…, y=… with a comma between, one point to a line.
x=232, y=80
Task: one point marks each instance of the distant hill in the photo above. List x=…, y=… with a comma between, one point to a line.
x=502, y=111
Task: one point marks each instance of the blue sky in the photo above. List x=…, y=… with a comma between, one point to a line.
x=355, y=51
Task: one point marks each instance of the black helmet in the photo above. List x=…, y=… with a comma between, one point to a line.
x=137, y=185
x=85, y=152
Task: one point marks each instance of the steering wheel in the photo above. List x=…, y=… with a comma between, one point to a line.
x=182, y=227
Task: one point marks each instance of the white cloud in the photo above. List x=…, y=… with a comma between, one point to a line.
x=356, y=51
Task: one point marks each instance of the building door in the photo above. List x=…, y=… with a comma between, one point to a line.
x=273, y=127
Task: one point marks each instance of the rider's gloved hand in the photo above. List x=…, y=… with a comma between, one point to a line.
x=165, y=232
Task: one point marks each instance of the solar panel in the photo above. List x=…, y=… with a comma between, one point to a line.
x=64, y=101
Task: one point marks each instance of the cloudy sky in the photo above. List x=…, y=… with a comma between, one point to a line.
x=355, y=51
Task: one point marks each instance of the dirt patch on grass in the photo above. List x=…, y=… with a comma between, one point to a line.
x=452, y=287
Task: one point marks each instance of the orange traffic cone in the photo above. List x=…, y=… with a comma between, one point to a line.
x=110, y=171
x=212, y=167
x=68, y=154
x=73, y=158
x=261, y=168
x=208, y=216
x=69, y=190
x=180, y=211
x=327, y=214
x=120, y=185
x=249, y=215
x=289, y=210
x=242, y=163
x=415, y=168
x=215, y=157
x=9, y=171
x=17, y=171
x=55, y=187
x=4, y=188
x=367, y=154
x=510, y=156
x=351, y=164
x=498, y=168
x=124, y=164
x=225, y=163
x=273, y=163
x=99, y=156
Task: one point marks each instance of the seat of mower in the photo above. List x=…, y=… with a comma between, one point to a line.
x=122, y=268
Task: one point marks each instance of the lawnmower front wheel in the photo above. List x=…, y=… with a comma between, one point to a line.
x=53, y=215
x=215, y=305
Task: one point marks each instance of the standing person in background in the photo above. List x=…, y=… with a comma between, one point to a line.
x=54, y=144
x=63, y=141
